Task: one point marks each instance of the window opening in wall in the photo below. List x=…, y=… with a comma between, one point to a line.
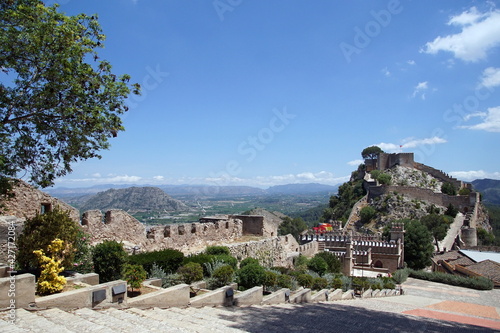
x=181, y=230
x=227, y=225
x=193, y=228
x=45, y=208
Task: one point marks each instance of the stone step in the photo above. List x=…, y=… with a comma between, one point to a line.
x=72, y=322
x=142, y=322
x=101, y=318
x=172, y=319
x=33, y=322
x=7, y=326
x=195, y=316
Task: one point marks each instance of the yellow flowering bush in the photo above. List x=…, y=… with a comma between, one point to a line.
x=49, y=281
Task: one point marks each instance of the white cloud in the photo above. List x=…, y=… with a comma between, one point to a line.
x=96, y=175
x=355, y=162
x=159, y=178
x=96, y=178
x=420, y=89
x=491, y=77
x=490, y=120
x=480, y=33
x=409, y=143
x=411, y=62
x=475, y=174
x=386, y=72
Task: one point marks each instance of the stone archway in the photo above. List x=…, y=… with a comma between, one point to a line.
x=378, y=264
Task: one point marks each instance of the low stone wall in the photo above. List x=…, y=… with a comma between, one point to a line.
x=176, y=296
x=270, y=252
x=97, y=296
x=17, y=291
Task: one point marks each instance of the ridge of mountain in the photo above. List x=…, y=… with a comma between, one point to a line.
x=490, y=190
x=133, y=199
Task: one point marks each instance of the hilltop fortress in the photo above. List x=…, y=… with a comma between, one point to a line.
x=257, y=235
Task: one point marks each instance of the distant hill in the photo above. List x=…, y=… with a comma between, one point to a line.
x=211, y=190
x=133, y=199
x=490, y=190
x=301, y=189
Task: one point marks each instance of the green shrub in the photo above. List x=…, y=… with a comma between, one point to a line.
x=249, y=260
x=464, y=191
x=216, y=250
x=82, y=262
x=201, y=259
x=318, y=265
x=109, y=258
x=384, y=179
x=168, y=259
x=228, y=260
x=479, y=282
x=388, y=283
x=172, y=280
x=360, y=283
x=191, y=272
x=319, y=283
x=223, y=276
x=251, y=275
x=331, y=260
x=282, y=270
x=134, y=275
x=346, y=282
x=366, y=214
x=376, y=283
x=448, y=188
x=38, y=233
x=158, y=273
x=270, y=280
x=284, y=281
x=305, y=280
x=400, y=275
x=336, y=283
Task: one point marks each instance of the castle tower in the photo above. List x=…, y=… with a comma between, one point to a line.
x=348, y=265
x=398, y=236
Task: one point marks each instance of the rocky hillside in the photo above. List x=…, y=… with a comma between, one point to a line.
x=134, y=199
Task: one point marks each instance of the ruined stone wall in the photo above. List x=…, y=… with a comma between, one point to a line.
x=440, y=175
x=115, y=225
x=194, y=237
x=387, y=161
x=462, y=202
x=28, y=201
x=277, y=251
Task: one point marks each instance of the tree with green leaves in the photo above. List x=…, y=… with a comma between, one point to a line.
x=371, y=154
x=417, y=245
x=38, y=233
x=59, y=103
x=292, y=226
x=437, y=225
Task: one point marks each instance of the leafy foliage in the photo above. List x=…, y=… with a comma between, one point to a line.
x=223, y=276
x=50, y=281
x=331, y=260
x=38, y=233
x=217, y=250
x=83, y=253
x=168, y=259
x=134, y=275
x=451, y=211
x=418, y=245
x=191, y=272
x=251, y=275
x=292, y=226
x=61, y=103
x=248, y=261
x=438, y=226
x=340, y=205
x=318, y=265
x=448, y=188
x=478, y=282
x=109, y=258
x=367, y=213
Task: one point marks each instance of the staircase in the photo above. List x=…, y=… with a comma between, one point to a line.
x=354, y=216
x=172, y=320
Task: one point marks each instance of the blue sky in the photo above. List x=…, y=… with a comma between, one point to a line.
x=261, y=93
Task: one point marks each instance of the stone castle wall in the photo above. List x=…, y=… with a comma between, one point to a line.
x=463, y=202
x=387, y=161
x=29, y=201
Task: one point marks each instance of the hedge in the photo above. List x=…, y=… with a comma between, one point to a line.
x=479, y=282
x=169, y=260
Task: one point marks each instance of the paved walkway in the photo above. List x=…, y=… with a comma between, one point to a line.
x=425, y=307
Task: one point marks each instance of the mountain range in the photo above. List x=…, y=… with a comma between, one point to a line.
x=490, y=190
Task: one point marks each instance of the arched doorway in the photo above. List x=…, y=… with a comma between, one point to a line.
x=378, y=264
